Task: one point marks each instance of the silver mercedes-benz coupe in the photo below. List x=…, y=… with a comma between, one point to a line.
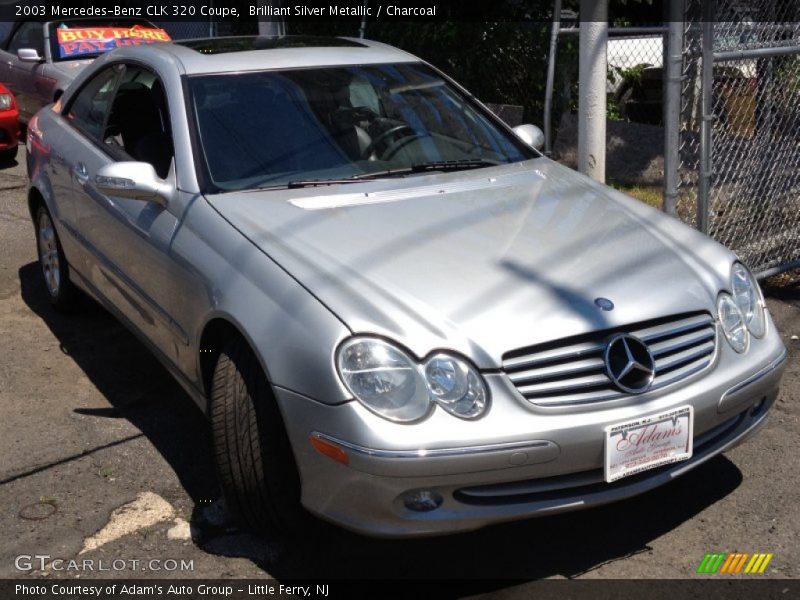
x=394, y=310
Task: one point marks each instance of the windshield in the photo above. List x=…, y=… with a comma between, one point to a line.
x=89, y=38
x=276, y=128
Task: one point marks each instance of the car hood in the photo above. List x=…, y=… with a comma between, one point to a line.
x=70, y=68
x=482, y=261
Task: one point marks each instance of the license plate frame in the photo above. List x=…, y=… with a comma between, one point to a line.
x=639, y=445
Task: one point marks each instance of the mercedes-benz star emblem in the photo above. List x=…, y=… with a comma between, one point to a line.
x=604, y=303
x=629, y=363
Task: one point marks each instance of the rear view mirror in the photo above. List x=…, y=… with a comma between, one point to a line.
x=29, y=55
x=133, y=180
x=531, y=135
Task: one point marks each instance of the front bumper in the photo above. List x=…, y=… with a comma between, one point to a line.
x=517, y=461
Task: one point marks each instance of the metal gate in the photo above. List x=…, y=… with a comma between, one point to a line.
x=736, y=112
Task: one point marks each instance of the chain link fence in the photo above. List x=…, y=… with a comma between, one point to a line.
x=635, y=59
x=184, y=30
x=739, y=169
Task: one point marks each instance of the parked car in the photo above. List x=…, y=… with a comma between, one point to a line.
x=9, y=125
x=38, y=60
x=393, y=309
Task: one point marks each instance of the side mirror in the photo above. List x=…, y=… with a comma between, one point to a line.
x=133, y=180
x=531, y=135
x=29, y=55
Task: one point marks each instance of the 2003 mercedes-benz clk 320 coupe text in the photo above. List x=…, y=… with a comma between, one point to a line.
x=395, y=312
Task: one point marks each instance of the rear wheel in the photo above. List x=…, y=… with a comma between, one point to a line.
x=55, y=270
x=254, y=457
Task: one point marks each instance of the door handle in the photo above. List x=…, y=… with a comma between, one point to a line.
x=81, y=173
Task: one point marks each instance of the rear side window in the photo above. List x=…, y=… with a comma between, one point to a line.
x=29, y=35
x=89, y=109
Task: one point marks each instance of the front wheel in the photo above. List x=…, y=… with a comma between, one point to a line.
x=55, y=270
x=254, y=458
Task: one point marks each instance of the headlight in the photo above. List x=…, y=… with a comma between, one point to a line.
x=393, y=385
x=732, y=321
x=384, y=379
x=5, y=101
x=748, y=298
x=455, y=386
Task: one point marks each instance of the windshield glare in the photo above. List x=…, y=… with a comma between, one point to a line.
x=270, y=128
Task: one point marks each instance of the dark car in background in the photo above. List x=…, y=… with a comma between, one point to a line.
x=38, y=60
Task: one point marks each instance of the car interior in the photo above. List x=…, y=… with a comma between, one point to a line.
x=138, y=122
x=263, y=127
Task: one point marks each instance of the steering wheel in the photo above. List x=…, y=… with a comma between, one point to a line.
x=356, y=113
x=367, y=152
x=403, y=141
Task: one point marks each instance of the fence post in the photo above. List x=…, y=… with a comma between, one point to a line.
x=706, y=118
x=551, y=74
x=362, y=31
x=271, y=26
x=592, y=73
x=673, y=87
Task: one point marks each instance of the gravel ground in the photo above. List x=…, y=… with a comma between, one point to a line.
x=105, y=457
x=634, y=151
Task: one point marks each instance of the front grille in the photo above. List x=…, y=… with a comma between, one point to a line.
x=572, y=370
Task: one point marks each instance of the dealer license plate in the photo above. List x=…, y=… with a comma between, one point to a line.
x=648, y=442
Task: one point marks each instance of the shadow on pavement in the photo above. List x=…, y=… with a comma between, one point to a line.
x=135, y=384
x=140, y=390
x=565, y=545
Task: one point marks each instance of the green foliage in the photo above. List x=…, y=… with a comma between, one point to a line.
x=503, y=62
x=633, y=74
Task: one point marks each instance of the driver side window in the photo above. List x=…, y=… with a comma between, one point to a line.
x=138, y=126
x=29, y=35
x=87, y=112
x=124, y=109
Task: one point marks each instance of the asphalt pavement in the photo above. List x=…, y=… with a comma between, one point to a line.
x=104, y=458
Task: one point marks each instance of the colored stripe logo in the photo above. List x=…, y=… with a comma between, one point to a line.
x=733, y=563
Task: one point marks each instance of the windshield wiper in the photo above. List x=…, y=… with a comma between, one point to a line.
x=434, y=165
x=301, y=183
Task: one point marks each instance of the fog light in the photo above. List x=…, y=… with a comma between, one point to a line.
x=422, y=500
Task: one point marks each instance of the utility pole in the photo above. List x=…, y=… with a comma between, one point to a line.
x=271, y=26
x=592, y=88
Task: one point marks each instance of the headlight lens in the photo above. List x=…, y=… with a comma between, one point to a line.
x=384, y=379
x=732, y=321
x=455, y=386
x=5, y=101
x=392, y=384
x=748, y=298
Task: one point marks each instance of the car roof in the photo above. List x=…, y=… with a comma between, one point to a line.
x=254, y=53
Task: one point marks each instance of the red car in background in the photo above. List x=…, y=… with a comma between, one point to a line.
x=9, y=125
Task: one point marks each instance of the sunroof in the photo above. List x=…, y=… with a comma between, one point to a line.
x=245, y=43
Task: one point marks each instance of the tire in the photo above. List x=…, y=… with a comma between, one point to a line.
x=254, y=458
x=62, y=293
x=7, y=156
